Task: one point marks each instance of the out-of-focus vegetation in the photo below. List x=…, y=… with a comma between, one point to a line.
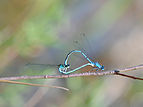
x=43, y=31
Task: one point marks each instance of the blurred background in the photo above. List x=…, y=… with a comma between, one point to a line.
x=43, y=31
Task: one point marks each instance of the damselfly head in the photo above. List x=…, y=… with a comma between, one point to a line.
x=64, y=66
x=67, y=66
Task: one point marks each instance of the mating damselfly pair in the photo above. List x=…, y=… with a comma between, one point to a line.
x=64, y=68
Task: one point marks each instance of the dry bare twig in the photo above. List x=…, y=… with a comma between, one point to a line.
x=111, y=72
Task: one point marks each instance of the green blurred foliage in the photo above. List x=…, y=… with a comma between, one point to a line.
x=36, y=28
x=34, y=25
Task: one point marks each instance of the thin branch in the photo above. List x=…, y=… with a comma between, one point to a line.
x=131, y=68
x=128, y=76
x=112, y=72
x=31, y=84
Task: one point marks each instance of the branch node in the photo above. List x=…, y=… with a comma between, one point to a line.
x=116, y=71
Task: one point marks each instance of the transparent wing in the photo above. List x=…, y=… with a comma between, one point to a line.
x=77, y=43
x=41, y=67
x=46, y=65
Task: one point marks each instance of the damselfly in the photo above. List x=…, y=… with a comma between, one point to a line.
x=64, y=68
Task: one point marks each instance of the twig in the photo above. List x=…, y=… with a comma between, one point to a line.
x=129, y=76
x=112, y=72
x=31, y=84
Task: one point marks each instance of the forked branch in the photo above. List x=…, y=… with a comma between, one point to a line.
x=112, y=72
x=102, y=73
